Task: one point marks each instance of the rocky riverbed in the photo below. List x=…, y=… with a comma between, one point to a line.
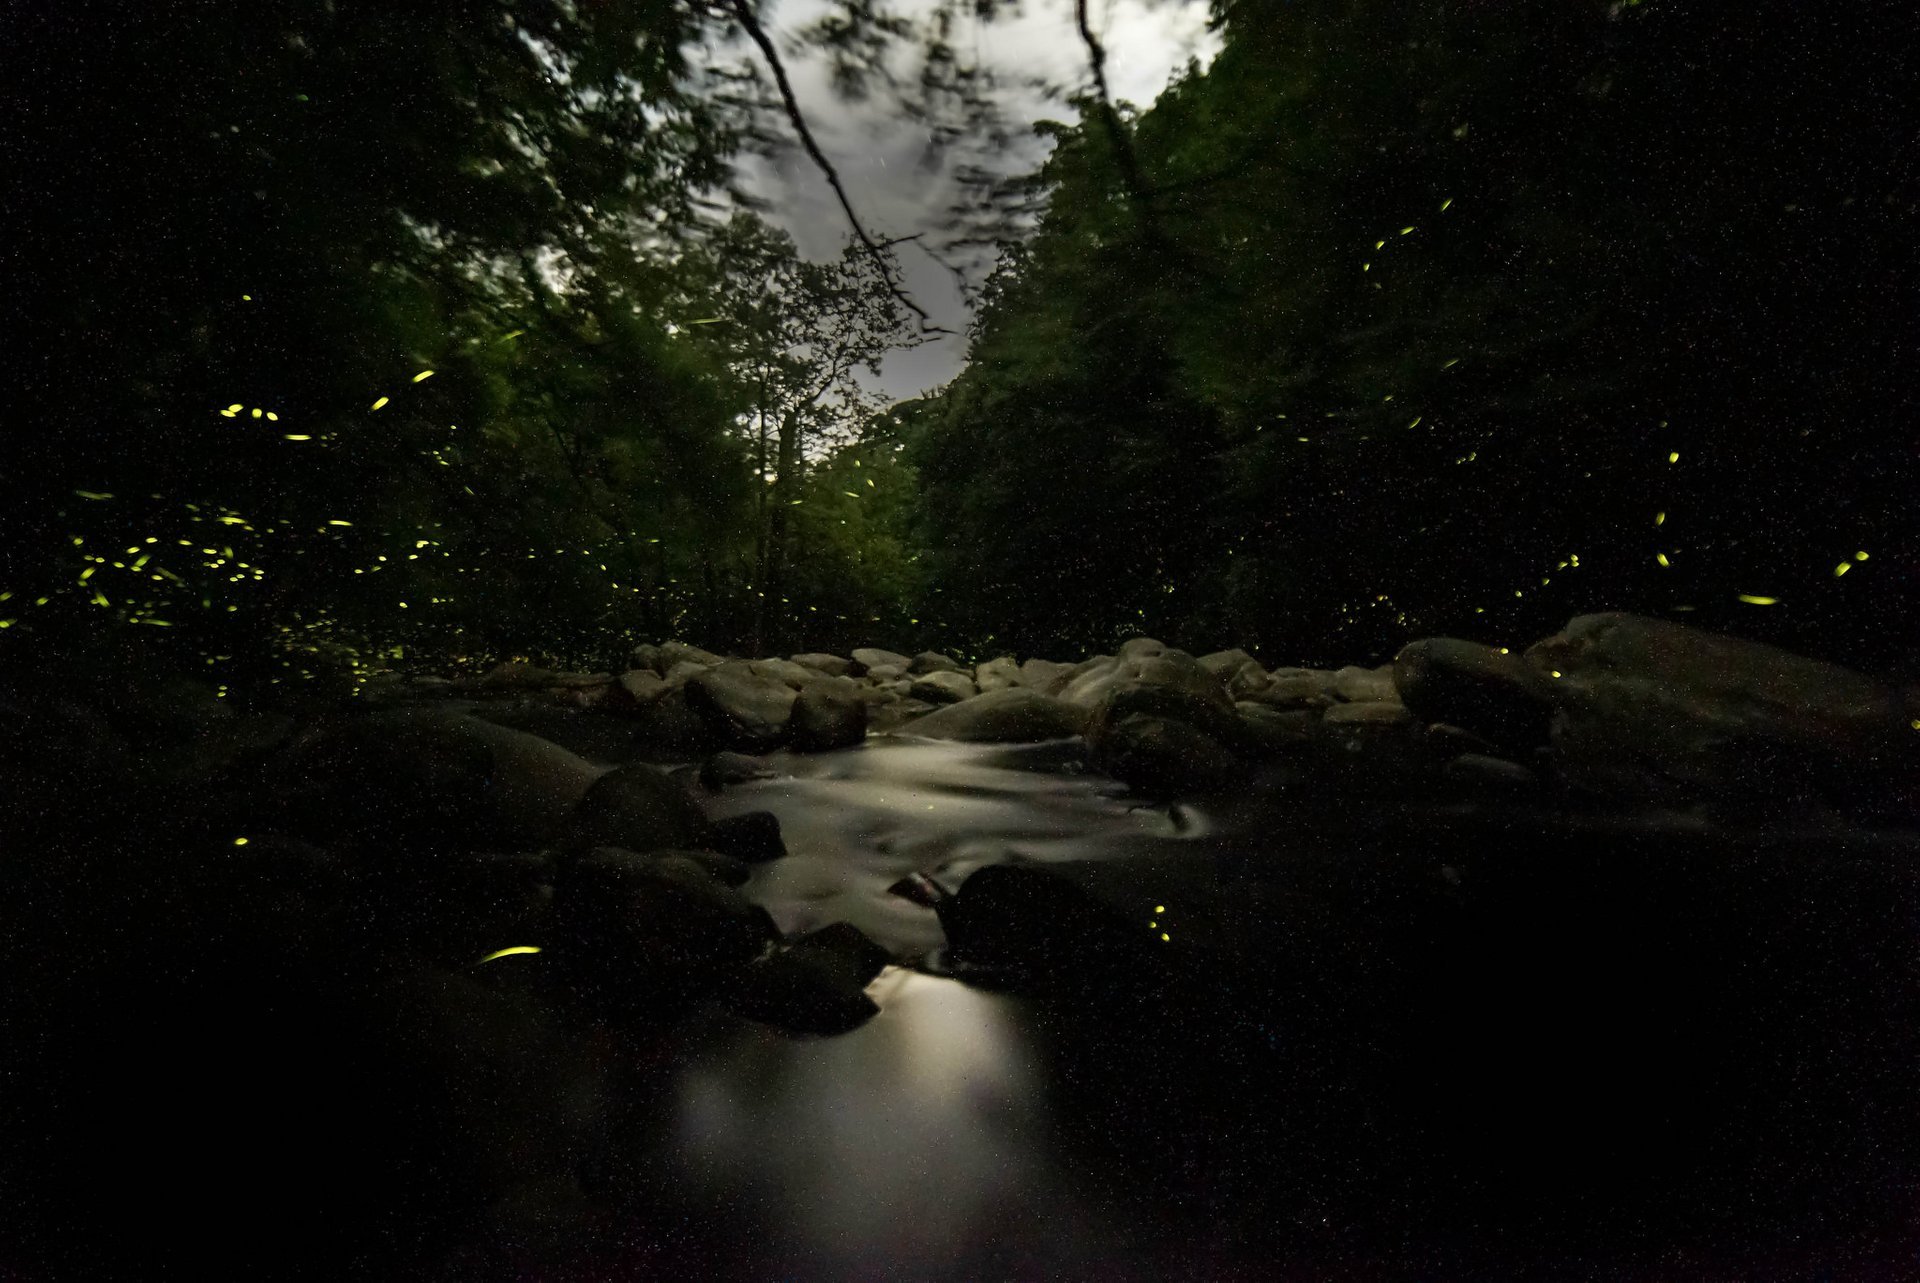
x=1596, y=955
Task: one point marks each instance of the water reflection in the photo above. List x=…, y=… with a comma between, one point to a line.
x=915, y=1147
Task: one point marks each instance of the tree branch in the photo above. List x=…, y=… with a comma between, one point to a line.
x=1110, y=120
x=743, y=13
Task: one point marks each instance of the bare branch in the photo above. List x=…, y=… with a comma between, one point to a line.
x=743, y=12
x=1110, y=120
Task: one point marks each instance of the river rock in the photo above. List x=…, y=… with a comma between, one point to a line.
x=683, y=671
x=1246, y=681
x=815, y=985
x=1267, y=730
x=1141, y=648
x=868, y=658
x=1485, y=689
x=677, y=652
x=1010, y=716
x=752, y=837
x=748, y=710
x=727, y=767
x=831, y=665
x=1168, y=685
x=1359, y=685
x=1652, y=710
x=928, y=661
x=1369, y=713
x=827, y=717
x=637, y=807
x=943, y=687
x=668, y=725
x=1045, y=676
x=426, y=779
x=1162, y=756
x=642, y=934
x=896, y=714
x=784, y=671
x=997, y=674
x=640, y=686
x=1225, y=663
x=1295, y=688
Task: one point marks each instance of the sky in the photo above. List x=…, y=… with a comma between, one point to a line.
x=877, y=154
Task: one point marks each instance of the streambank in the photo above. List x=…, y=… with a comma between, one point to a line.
x=1341, y=1011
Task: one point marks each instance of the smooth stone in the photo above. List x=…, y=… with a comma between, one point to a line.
x=943, y=687
x=868, y=658
x=640, y=808
x=752, y=837
x=825, y=717
x=928, y=661
x=748, y=710
x=1017, y=715
x=831, y=665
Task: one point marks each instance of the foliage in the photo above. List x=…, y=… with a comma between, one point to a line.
x=1425, y=315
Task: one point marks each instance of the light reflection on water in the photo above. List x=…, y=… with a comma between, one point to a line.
x=914, y=1147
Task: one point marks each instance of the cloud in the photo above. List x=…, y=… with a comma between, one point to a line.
x=878, y=154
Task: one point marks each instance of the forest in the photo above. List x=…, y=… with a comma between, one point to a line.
x=350, y=336
x=955, y=640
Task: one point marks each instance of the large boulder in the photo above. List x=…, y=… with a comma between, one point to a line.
x=942, y=687
x=816, y=985
x=748, y=710
x=1658, y=711
x=1485, y=689
x=831, y=665
x=784, y=671
x=997, y=674
x=827, y=717
x=1164, y=757
x=928, y=661
x=1045, y=675
x=677, y=652
x=642, y=934
x=1294, y=688
x=1225, y=663
x=868, y=658
x=1004, y=716
x=639, y=808
x=669, y=726
x=1359, y=685
x=1141, y=648
x=1168, y=685
x=418, y=779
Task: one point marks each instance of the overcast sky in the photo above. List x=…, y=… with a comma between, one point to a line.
x=878, y=155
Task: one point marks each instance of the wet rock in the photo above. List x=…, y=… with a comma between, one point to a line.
x=1655, y=711
x=639, y=808
x=897, y=714
x=747, y=710
x=678, y=675
x=868, y=658
x=647, y=655
x=1246, y=681
x=1018, y=715
x=928, y=661
x=676, y=652
x=642, y=935
x=816, y=985
x=752, y=837
x=943, y=687
x=827, y=717
x=797, y=676
x=1492, y=692
x=1141, y=648
x=639, y=687
x=1168, y=686
x=669, y=725
x=1045, y=676
x=422, y=779
x=1225, y=663
x=1295, y=688
x=1390, y=713
x=831, y=665
x=1366, y=685
x=1163, y=757
x=1035, y=928
x=723, y=868
x=997, y=674
x=1267, y=730
x=725, y=768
